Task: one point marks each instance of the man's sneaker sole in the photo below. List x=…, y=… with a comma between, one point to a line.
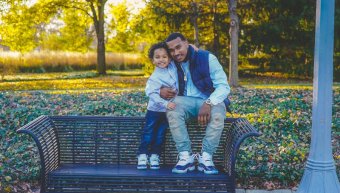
x=174, y=170
x=199, y=168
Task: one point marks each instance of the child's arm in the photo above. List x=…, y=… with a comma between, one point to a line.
x=152, y=91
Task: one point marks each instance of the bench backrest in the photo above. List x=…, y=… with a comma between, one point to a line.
x=115, y=140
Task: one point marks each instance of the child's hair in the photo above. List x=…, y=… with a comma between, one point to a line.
x=157, y=46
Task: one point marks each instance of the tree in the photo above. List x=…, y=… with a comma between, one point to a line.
x=278, y=36
x=95, y=10
x=119, y=29
x=179, y=13
x=18, y=26
x=234, y=30
x=71, y=32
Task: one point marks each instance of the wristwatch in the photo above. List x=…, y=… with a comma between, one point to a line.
x=208, y=102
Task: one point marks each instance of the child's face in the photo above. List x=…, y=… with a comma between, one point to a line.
x=161, y=58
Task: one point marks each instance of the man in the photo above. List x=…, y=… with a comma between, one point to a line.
x=203, y=88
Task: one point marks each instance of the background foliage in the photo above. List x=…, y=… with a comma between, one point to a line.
x=275, y=36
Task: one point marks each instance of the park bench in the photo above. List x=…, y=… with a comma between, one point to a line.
x=98, y=154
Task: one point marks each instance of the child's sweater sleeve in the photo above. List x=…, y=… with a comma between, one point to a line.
x=152, y=90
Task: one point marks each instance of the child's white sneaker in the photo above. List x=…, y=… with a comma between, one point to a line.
x=154, y=162
x=142, y=162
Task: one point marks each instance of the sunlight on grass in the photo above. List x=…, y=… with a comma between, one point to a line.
x=69, y=75
x=89, y=81
x=95, y=91
x=109, y=82
x=283, y=86
x=287, y=86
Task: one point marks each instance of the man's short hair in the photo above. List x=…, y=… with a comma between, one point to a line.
x=174, y=36
x=157, y=46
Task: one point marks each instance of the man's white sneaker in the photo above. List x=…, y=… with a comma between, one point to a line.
x=205, y=164
x=142, y=162
x=154, y=162
x=185, y=163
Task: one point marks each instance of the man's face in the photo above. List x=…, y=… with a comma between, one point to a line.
x=178, y=49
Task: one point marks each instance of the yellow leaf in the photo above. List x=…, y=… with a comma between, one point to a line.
x=8, y=189
x=8, y=178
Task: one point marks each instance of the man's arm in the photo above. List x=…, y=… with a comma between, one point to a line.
x=222, y=89
x=219, y=79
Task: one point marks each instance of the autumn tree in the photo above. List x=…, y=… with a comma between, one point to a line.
x=119, y=29
x=72, y=31
x=95, y=10
x=19, y=25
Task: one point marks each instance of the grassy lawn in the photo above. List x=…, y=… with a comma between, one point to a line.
x=75, y=81
x=115, y=81
x=281, y=109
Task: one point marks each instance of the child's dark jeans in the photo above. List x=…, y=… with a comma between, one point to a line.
x=153, y=134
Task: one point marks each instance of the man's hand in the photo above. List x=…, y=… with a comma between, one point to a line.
x=167, y=93
x=204, y=114
x=171, y=106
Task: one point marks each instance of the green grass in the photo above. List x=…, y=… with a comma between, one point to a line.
x=89, y=81
x=280, y=108
x=75, y=81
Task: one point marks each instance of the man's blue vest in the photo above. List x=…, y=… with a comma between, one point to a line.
x=199, y=71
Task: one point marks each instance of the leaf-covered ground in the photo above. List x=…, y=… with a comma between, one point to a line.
x=75, y=81
x=274, y=160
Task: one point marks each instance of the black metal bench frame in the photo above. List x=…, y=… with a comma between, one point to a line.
x=98, y=154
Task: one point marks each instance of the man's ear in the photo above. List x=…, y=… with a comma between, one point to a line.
x=187, y=43
x=195, y=48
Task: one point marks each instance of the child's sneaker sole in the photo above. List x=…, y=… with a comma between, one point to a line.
x=142, y=167
x=155, y=167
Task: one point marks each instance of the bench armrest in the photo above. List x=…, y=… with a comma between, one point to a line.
x=45, y=136
x=239, y=131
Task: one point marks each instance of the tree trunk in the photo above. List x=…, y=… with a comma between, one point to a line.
x=194, y=21
x=98, y=20
x=101, y=68
x=216, y=46
x=233, y=31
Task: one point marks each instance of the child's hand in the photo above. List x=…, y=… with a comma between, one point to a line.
x=171, y=106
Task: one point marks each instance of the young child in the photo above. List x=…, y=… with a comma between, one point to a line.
x=156, y=123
